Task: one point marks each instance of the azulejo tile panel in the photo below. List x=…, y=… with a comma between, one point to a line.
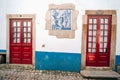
x=61, y=20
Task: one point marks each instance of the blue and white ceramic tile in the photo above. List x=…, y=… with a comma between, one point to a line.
x=61, y=19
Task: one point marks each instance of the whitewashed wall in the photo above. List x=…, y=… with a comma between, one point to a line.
x=40, y=7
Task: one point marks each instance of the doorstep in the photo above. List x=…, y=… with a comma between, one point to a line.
x=99, y=74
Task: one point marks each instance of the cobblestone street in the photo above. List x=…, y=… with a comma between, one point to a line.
x=13, y=74
x=8, y=73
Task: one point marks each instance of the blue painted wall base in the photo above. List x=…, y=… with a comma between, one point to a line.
x=61, y=61
x=58, y=61
x=117, y=61
x=3, y=51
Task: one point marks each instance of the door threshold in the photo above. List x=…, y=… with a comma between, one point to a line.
x=99, y=68
x=99, y=74
x=18, y=66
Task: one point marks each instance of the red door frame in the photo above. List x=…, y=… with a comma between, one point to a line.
x=98, y=58
x=21, y=51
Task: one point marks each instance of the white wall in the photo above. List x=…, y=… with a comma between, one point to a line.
x=40, y=7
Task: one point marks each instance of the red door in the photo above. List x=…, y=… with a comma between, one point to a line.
x=98, y=41
x=21, y=41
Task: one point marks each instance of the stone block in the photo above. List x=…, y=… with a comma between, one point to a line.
x=118, y=68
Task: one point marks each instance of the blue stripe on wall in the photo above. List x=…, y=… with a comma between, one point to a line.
x=61, y=61
x=117, y=61
x=58, y=61
x=2, y=50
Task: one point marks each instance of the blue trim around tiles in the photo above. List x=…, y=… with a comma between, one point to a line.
x=58, y=61
x=4, y=51
x=117, y=61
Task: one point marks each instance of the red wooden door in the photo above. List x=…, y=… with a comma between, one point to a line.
x=98, y=41
x=21, y=41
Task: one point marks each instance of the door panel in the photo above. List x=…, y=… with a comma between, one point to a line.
x=91, y=41
x=21, y=41
x=27, y=54
x=98, y=41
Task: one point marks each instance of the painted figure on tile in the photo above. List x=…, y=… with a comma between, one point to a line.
x=61, y=19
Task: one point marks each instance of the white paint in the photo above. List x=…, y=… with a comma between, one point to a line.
x=40, y=7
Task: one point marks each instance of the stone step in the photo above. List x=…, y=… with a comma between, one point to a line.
x=99, y=74
x=17, y=66
x=99, y=68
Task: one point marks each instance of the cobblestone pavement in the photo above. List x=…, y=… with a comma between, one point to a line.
x=30, y=74
x=13, y=74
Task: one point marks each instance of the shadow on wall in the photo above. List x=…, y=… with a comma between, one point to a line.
x=2, y=56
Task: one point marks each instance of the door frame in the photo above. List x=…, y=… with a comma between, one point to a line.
x=113, y=35
x=20, y=16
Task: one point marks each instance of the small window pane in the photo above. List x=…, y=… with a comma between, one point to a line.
x=106, y=33
x=90, y=32
x=94, y=33
x=93, y=50
x=25, y=24
x=29, y=35
x=18, y=29
x=94, y=20
x=90, y=20
x=101, y=50
x=101, y=33
x=101, y=27
x=102, y=20
x=14, y=40
x=106, y=27
x=29, y=23
x=101, y=45
x=18, y=34
x=105, y=39
x=18, y=40
x=14, y=24
x=105, y=45
x=14, y=35
x=105, y=50
x=90, y=38
x=14, y=29
x=94, y=45
x=25, y=35
x=89, y=45
x=90, y=27
x=94, y=39
x=106, y=20
x=29, y=29
x=18, y=23
x=25, y=30
x=101, y=39
x=94, y=27
x=25, y=40
x=89, y=50
x=28, y=40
